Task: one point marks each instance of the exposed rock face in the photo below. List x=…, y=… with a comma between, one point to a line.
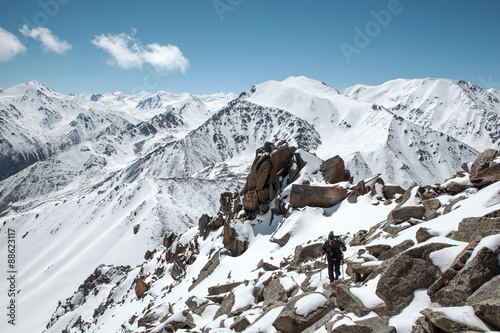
x=208, y=269
x=357, y=191
x=407, y=208
x=333, y=170
x=486, y=302
x=475, y=273
x=289, y=321
x=401, y=278
x=316, y=196
x=396, y=249
x=226, y=306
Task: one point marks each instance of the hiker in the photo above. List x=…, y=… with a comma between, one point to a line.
x=333, y=248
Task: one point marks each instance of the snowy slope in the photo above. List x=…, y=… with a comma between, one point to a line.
x=457, y=108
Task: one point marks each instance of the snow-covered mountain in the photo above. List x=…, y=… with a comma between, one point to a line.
x=91, y=179
x=457, y=108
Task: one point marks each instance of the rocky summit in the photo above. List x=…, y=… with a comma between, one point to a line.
x=420, y=259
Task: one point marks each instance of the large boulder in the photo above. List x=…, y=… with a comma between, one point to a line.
x=430, y=208
x=484, y=169
x=401, y=278
x=316, y=196
x=302, y=311
x=486, y=302
x=482, y=268
x=409, y=207
x=226, y=305
x=333, y=170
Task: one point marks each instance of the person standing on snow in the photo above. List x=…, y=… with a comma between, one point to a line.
x=333, y=248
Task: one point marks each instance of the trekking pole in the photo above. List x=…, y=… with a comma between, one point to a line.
x=342, y=269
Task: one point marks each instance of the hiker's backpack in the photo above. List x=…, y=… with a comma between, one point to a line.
x=336, y=247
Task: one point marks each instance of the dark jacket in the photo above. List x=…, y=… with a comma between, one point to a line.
x=334, y=249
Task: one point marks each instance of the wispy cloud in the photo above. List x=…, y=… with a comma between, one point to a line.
x=10, y=46
x=49, y=41
x=127, y=52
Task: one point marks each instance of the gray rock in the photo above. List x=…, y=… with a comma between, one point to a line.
x=478, y=271
x=422, y=235
x=288, y=321
x=402, y=214
x=486, y=302
x=208, y=269
x=306, y=253
x=430, y=208
x=446, y=324
x=240, y=324
x=377, y=324
x=472, y=228
x=345, y=300
x=274, y=292
x=404, y=245
x=226, y=306
x=196, y=304
x=232, y=240
x=401, y=278
x=376, y=250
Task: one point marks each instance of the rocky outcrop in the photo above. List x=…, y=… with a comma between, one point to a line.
x=140, y=288
x=316, y=196
x=484, y=169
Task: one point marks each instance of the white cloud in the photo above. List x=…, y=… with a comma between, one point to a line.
x=127, y=52
x=48, y=40
x=10, y=46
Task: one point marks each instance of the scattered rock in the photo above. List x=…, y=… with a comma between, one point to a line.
x=484, y=169
x=430, y=208
x=376, y=250
x=377, y=324
x=289, y=321
x=223, y=288
x=306, y=253
x=486, y=302
x=357, y=191
x=403, y=246
x=472, y=228
x=345, y=300
x=240, y=324
x=226, y=305
x=208, y=269
x=182, y=320
x=422, y=235
x=274, y=292
x=446, y=324
x=475, y=273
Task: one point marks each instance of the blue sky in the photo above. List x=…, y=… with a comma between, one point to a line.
x=208, y=46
